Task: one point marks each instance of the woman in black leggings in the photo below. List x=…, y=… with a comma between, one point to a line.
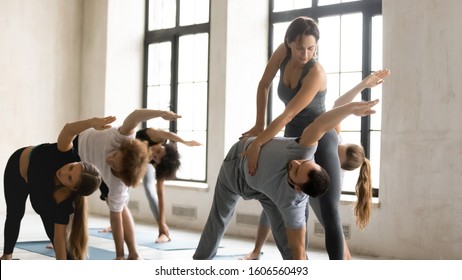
x=57, y=183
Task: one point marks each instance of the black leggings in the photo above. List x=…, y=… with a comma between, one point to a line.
x=326, y=207
x=16, y=192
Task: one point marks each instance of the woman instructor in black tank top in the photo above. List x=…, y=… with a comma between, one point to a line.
x=302, y=87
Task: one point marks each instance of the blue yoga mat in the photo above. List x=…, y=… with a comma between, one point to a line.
x=147, y=239
x=39, y=247
x=229, y=257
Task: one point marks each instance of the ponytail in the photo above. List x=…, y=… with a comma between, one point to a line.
x=363, y=205
x=90, y=180
x=78, y=238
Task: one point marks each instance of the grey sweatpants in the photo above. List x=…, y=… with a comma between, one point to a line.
x=229, y=188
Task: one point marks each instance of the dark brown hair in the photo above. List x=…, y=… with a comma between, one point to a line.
x=169, y=164
x=317, y=184
x=301, y=26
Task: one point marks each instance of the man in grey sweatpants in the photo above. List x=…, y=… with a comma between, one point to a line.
x=286, y=175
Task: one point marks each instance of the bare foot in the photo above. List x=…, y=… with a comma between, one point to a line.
x=163, y=238
x=7, y=257
x=49, y=246
x=134, y=257
x=108, y=229
x=251, y=256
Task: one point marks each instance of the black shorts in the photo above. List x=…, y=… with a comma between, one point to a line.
x=104, y=191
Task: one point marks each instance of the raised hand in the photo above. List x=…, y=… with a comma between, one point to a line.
x=363, y=108
x=376, y=78
x=102, y=123
x=192, y=143
x=170, y=116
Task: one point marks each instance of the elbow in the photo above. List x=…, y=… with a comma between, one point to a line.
x=263, y=86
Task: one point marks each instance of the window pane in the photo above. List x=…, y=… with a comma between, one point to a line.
x=329, y=43
x=279, y=31
x=286, y=5
x=159, y=63
x=377, y=43
x=347, y=81
x=376, y=119
x=377, y=50
x=161, y=14
x=351, y=42
x=194, y=12
x=192, y=106
x=330, y=2
x=333, y=89
x=158, y=98
x=193, y=58
x=193, y=159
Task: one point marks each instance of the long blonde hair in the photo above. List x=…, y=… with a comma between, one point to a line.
x=77, y=243
x=355, y=157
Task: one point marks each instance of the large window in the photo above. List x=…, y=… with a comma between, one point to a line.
x=176, y=75
x=350, y=47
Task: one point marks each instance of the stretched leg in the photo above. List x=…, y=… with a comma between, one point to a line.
x=150, y=187
x=346, y=251
x=104, y=189
x=49, y=227
x=326, y=206
x=16, y=193
x=263, y=231
x=129, y=234
x=223, y=207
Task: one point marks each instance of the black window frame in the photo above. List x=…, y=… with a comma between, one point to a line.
x=172, y=35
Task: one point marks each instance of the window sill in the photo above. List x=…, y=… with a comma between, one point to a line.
x=187, y=184
x=348, y=199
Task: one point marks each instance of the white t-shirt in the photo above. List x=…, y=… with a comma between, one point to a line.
x=94, y=147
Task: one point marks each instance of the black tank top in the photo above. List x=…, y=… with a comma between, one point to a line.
x=306, y=116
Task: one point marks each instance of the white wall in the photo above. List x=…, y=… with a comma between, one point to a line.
x=64, y=60
x=40, y=45
x=422, y=132
x=112, y=56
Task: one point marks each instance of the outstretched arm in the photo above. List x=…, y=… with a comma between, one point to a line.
x=370, y=81
x=157, y=135
x=141, y=115
x=330, y=119
x=70, y=130
x=163, y=228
